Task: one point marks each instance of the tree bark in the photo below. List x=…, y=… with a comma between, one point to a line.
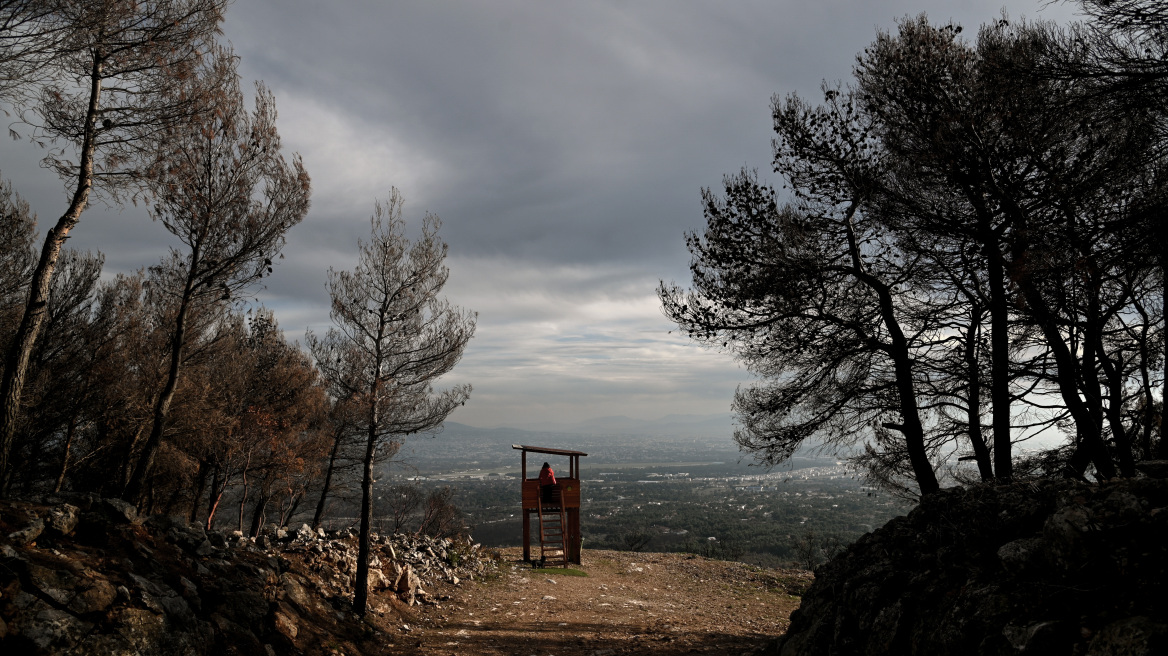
x=162, y=406
x=1112, y=373
x=1000, y=363
x=200, y=485
x=1092, y=448
x=328, y=479
x=215, y=496
x=361, y=591
x=36, y=308
x=981, y=452
x=259, y=513
x=65, y=458
x=911, y=427
x=1162, y=451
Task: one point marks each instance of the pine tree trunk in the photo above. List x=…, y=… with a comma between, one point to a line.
x=36, y=308
x=328, y=479
x=361, y=590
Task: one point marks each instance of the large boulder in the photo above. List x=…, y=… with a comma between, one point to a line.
x=63, y=518
x=1046, y=567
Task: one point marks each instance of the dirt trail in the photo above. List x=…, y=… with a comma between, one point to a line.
x=629, y=603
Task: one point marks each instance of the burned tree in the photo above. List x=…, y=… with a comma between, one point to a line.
x=223, y=188
x=393, y=336
x=106, y=96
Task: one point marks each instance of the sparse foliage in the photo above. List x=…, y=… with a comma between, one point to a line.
x=393, y=336
x=222, y=186
x=106, y=92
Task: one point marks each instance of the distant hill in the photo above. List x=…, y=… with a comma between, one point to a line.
x=674, y=425
x=606, y=440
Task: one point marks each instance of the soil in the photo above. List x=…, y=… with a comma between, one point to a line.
x=626, y=603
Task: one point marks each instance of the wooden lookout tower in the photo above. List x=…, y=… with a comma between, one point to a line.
x=557, y=513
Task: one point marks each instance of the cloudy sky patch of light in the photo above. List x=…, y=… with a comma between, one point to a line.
x=564, y=146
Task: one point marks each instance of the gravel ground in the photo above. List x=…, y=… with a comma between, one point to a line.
x=629, y=603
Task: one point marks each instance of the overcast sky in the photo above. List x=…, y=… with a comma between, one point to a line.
x=564, y=146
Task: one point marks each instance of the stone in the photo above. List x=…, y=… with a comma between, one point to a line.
x=285, y=623
x=29, y=533
x=121, y=511
x=139, y=628
x=58, y=585
x=1017, y=554
x=54, y=631
x=295, y=593
x=64, y=518
x=378, y=580
x=245, y=607
x=1153, y=468
x=95, y=597
x=408, y=584
x=188, y=587
x=1132, y=636
x=1063, y=534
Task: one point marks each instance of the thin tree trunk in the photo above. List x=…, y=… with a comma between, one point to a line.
x=328, y=479
x=912, y=429
x=285, y=517
x=200, y=485
x=36, y=308
x=361, y=589
x=1000, y=365
x=981, y=452
x=217, y=488
x=1148, y=413
x=259, y=512
x=1092, y=448
x=1068, y=370
x=162, y=406
x=243, y=497
x=1112, y=373
x=128, y=460
x=65, y=458
x=1162, y=452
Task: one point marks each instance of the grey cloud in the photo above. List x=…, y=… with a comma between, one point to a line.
x=563, y=144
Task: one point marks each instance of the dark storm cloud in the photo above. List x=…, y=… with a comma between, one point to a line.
x=566, y=131
x=564, y=145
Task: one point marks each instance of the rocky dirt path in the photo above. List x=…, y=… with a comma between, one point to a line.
x=629, y=603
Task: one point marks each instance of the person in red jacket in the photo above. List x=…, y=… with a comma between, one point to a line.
x=547, y=478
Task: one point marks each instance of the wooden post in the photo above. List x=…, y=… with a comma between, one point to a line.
x=526, y=515
x=526, y=536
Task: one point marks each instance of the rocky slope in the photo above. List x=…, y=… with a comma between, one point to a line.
x=1047, y=567
x=89, y=577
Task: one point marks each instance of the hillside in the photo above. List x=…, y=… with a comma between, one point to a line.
x=1034, y=568
x=96, y=579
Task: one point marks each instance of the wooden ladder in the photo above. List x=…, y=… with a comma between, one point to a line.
x=553, y=551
